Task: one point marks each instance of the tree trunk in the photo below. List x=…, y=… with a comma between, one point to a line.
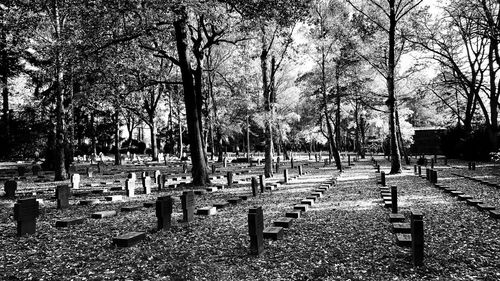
x=4, y=72
x=266, y=87
x=116, y=120
x=400, y=139
x=391, y=101
x=93, y=136
x=199, y=170
x=337, y=111
x=248, y=138
x=60, y=170
x=154, y=147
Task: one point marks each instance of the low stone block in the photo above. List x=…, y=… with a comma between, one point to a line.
x=293, y=214
x=207, y=211
x=103, y=214
x=449, y=189
x=464, y=197
x=114, y=198
x=221, y=205
x=149, y=204
x=98, y=191
x=89, y=202
x=274, y=233
x=69, y=222
x=129, y=239
x=92, y=184
x=396, y=217
x=313, y=198
x=485, y=207
x=130, y=208
x=234, y=200
x=401, y=227
x=199, y=191
x=473, y=202
x=388, y=203
x=211, y=189
x=403, y=239
x=495, y=214
x=307, y=202
x=319, y=191
x=301, y=207
x=283, y=222
x=456, y=193
x=317, y=194
x=244, y=197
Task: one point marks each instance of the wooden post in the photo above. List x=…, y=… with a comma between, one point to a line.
x=417, y=238
x=394, y=199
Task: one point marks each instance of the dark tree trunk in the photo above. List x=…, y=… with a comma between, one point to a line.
x=116, y=120
x=4, y=72
x=266, y=87
x=191, y=100
x=391, y=101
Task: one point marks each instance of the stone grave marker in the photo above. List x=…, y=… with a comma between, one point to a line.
x=89, y=172
x=382, y=178
x=129, y=239
x=36, y=169
x=348, y=160
x=394, y=199
x=291, y=162
x=285, y=175
x=417, y=238
x=255, y=230
x=184, y=168
x=62, y=196
x=130, y=187
x=300, y=170
x=213, y=168
x=146, y=185
x=161, y=182
x=255, y=188
x=187, y=202
x=157, y=175
x=164, y=212
x=25, y=213
x=10, y=188
x=229, y=179
x=132, y=176
x=75, y=181
x=262, y=183
x=277, y=166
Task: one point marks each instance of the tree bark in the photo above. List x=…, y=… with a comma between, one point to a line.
x=191, y=100
x=4, y=72
x=116, y=120
x=391, y=101
x=266, y=87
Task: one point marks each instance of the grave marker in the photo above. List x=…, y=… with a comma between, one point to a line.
x=213, y=168
x=285, y=175
x=417, y=238
x=394, y=199
x=36, y=169
x=62, y=196
x=75, y=181
x=130, y=187
x=229, y=179
x=382, y=178
x=262, y=183
x=157, y=174
x=21, y=170
x=164, y=212
x=255, y=230
x=25, y=213
x=300, y=170
x=146, y=185
x=89, y=172
x=160, y=180
x=184, y=168
x=255, y=188
x=10, y=188
x=187, y=202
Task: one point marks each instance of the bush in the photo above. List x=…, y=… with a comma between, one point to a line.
x=475, y=145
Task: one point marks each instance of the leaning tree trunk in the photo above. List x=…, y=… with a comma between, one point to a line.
x=199, y=170
x=391, y=101
x=268, y=167
x=116, y=120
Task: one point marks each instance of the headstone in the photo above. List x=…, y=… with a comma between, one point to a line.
x=419, y=170
x=62, y=196
x=89, y=172
x=21, y=170
x=255, y=188
x=382, y=178
x=129, y=239
x=348, y=160
x=285, y=175
x=316, y=157
x=213, y=168
x=160, y=180
x=146, y=185
x=432, y=163
x=291, y=162
x=378, y=168
x=470, y=165
x=130, y=187
x=300, y=170
x=75, y=181
x=326, y=162
x=10, y=188
x=164, y=212
x=224, y=162
x=262, y=183
x=417, y=238
x=473, y=166
x=184, y=168
x=229, y=179
x=25, y=213
x=156, y=175
x=277, y=167
x=434, y=176
x=187, y=202
x=36, y=169
x=394, y=199
x=99, y=167
x=255, y=230
x=132, y=176
x=415, y=169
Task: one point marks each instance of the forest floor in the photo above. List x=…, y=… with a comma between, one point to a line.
x=345, y=235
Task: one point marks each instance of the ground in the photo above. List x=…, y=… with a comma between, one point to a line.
x=345, y=235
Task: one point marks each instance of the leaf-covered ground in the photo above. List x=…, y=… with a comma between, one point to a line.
x=346, y=235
